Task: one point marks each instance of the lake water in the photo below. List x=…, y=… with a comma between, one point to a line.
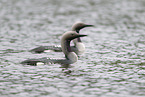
x=112, y=66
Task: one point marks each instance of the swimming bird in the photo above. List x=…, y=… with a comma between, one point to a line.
x=70, y=56
x=78, y=47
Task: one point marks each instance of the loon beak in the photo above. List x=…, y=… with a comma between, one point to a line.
x=81, y=35
x=77, y=36
x=89, y=25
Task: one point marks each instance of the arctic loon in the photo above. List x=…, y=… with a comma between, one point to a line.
x=78, y=48
x=70, y=56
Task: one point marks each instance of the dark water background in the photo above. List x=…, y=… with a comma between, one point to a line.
x=114, y=62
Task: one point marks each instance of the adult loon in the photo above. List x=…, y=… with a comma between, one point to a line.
x=78, y=47
x=70, y=56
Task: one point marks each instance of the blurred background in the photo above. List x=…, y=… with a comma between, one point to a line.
x=114, y=61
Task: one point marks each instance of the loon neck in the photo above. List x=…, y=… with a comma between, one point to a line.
x=65, y=45
x=69, y=55
x=77, y=39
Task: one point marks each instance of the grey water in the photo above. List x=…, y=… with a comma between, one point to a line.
x=112, y=66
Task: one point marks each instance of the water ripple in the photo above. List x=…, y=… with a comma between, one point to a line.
x=113, y=64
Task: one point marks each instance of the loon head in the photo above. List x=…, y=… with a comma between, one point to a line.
x=66, y=38
x=70, y=35
x=80, y=25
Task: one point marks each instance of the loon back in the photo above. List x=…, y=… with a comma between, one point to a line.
x=70, y=57
x=78, y=49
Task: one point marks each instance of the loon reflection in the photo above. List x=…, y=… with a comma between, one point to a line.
x=78, y=48
x=70, y=56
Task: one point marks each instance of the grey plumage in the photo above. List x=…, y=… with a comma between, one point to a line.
x=78, y=47
x=70, y=57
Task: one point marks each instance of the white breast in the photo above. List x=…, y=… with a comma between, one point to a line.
x=80, y=48
x=72, y=57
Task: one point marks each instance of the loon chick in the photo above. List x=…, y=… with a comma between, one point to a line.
x=70, y=56
x=78, y=47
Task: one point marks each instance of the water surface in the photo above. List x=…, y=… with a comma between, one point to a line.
x=114, y=61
